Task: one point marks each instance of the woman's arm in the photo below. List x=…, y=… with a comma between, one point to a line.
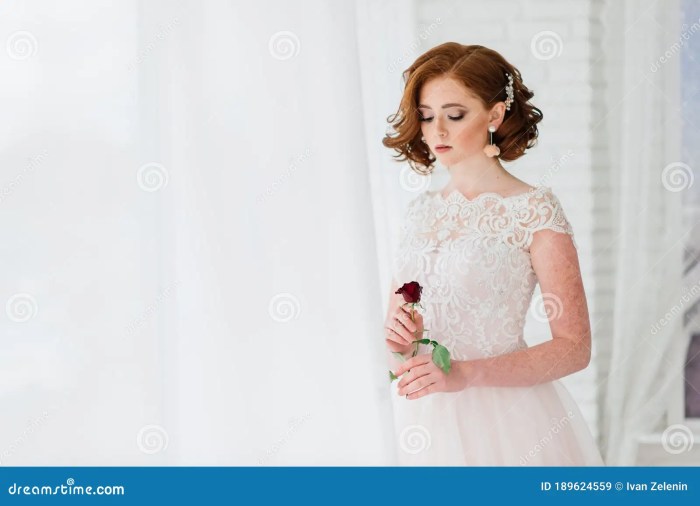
x=555, y=262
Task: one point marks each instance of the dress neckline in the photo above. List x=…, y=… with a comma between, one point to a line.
x=455, y=194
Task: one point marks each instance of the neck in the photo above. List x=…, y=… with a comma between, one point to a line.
x=477, y=174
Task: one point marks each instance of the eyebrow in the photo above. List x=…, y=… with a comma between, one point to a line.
x=451, y=104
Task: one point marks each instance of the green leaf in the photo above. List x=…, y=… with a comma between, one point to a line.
x=441, y=358
x=392, y=376
x=423, y=341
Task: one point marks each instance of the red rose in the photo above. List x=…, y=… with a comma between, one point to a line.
x=411, y=292
x=441, y=355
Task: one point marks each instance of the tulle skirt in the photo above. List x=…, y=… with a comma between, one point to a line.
x=494, y=426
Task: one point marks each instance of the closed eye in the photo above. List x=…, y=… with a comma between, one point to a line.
x=453, y=118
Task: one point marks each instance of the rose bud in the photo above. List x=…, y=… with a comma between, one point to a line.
x=411, y=292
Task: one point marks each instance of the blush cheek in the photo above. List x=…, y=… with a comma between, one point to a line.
x=471, y=139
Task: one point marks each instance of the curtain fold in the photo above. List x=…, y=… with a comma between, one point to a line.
x=275, y=340
x=647, y=356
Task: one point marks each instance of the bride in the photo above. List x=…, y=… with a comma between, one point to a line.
x=478, y=247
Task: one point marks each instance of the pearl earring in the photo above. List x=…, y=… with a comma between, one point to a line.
x=491, y=149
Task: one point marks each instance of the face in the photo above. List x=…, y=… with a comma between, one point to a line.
x=451, y=116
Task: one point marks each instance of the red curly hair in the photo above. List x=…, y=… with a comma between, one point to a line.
x=483, y=72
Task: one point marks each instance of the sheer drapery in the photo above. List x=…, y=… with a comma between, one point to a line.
x=270, y=233
x=648, y=344
x=206, y=268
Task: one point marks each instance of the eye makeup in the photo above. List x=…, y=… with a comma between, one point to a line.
x=428, y=120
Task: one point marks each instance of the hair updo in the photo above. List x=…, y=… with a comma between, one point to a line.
x=483, y=72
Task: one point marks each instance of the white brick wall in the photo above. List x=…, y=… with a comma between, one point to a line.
x=568, y=90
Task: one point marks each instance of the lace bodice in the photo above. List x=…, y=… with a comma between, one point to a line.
x=472, y=257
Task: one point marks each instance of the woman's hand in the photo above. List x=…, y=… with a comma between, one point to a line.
x=422, y=377
x=400, y=330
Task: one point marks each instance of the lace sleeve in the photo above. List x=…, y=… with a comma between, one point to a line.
x=546, y=212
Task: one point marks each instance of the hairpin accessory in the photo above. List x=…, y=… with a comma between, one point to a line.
x=509, y=91
x=491, y=149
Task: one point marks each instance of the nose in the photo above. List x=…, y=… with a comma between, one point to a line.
x=440, y=128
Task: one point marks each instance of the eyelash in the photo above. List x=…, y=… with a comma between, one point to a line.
x=428, y=120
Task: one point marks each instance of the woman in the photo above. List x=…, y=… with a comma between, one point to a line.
x=478, y=247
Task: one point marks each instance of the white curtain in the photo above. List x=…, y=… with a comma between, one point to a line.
x=199, y=235
x=268, y=229
x=648, y=342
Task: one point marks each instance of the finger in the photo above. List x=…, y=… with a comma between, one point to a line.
x=416, y=319
x=416, y=385
x=407, y=323
x=430, y=389
x=414, y=374
x=413, y=362
x=407, y=311
x=405, y=320
x=397, y=331
x=404, y=329
x=397, y=338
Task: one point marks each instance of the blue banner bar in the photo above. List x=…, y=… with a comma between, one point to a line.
x=350, y=485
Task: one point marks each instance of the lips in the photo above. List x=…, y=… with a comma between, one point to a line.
x=442, y=147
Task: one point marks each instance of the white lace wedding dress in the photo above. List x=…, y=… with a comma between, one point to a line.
x=472, y=259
